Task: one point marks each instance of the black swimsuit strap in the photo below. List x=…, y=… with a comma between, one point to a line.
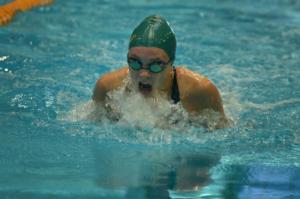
x=175, y=96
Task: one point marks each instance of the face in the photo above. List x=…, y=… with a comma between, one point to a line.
x=149, y=68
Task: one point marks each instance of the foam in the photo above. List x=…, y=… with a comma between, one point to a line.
x=132, y=118
x=84, y=111
x=269, y=106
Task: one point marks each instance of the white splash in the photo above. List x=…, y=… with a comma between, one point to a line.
x=134, y=109
x=268, y=106
x=130, y=117
x=3, y=58
x=84, y=111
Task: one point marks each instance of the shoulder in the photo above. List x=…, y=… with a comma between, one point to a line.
x=197, y=91
x=113, y=79
x=190, y=81
x=109, y=81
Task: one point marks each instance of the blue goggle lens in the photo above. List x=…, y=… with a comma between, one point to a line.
x=154, y=68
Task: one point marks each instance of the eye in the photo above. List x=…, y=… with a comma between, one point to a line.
x=133, y=60
x=161, y=63
x=134, y=63
x=155, y=68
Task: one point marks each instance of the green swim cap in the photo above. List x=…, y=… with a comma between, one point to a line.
x=154, y=31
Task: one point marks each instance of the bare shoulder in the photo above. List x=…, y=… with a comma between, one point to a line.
x=197, y=91
x=189, y=82
x=108, y=82
x=114, y=79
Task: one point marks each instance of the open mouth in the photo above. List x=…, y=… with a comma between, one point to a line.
x=145, y=88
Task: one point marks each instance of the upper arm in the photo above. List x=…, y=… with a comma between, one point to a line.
x=100, y=90
x=204, y=97
x=208, y=97
x=198, y=93
x=108, y=82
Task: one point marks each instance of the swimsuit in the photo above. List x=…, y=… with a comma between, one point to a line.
x=175, y=96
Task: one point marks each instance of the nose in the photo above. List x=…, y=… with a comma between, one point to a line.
x=144, y=73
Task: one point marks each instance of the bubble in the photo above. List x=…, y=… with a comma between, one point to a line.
x=6, y=70
x=130, y=117
x=84, y=111
x=3, y=58
x=136, y=110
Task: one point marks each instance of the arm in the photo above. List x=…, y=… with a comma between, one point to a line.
x=198, y=94
x=100, y=90
x=108, y=82
x=205, y=96
x=104, y=85
x=208, y=98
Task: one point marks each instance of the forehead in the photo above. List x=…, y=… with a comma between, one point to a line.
x=148, y=53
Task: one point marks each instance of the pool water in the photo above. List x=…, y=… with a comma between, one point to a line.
x=53, y=146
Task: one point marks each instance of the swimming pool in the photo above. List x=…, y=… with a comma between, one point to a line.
x=51, y=57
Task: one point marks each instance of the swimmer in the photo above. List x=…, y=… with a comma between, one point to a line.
x=151, y=72
x=8, y=11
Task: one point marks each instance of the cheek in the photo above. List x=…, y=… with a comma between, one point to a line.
x=133, y=74
x=158, y=80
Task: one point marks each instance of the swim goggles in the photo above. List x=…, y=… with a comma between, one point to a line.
x=154, y=67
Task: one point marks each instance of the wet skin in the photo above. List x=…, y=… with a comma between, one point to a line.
x=145, y=81
x=197, y=93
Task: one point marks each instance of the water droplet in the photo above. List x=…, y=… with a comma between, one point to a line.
x=3, y=58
